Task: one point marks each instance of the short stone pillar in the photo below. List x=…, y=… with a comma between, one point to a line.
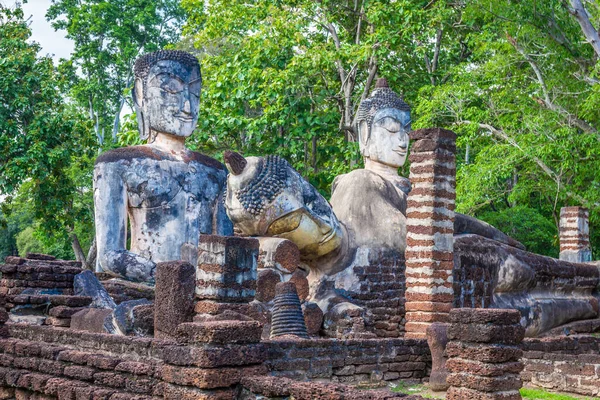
x=174, y=297
x=224, y=341
x=437, y=340
x=287, y=312
x=483, y=354
x=575, y=234
x=226, y=274
x=430, y=230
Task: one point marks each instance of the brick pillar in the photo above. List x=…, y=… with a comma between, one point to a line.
x=226, y=274
x=174, y=297
x=222, y=344
x=430, y=230
x=483, y=354
x=575, y=234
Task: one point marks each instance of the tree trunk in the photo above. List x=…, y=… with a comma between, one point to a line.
x=79, y=256
x=92, y=255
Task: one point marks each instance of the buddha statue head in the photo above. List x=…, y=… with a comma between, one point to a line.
x=267, y=197
x=166, y=93
x=383, y=123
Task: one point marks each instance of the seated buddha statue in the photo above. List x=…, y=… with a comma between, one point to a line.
x=366, y=219
x=364, y=227
x=163, y=193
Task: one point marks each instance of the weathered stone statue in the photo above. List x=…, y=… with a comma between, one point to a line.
x=365, y=225
x=354, y=248
x=167, y=194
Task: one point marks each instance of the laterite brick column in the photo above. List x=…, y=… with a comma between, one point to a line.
x=174, y=297
x=575, y=234
x=224, y=344
x=483, y=354
x=226, y=274
x=430, y=230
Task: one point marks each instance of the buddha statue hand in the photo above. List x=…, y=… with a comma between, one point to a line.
x=129, y=265
x=267, y=197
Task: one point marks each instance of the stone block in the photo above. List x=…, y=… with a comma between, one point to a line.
x=487, y=353
x=86, y=284
x=485, y=384
x=313, y=318
x=176, y=392
x=483, y=369
x=214, y=356
x=90, y=319
x=480, y=333
x=209, y=378
x=221, y=332
x=227, y=268
x=460, y=393
x=174, y=297
x=485, y=316
x=265, y=284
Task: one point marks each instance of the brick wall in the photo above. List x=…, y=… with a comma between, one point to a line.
x=382, y=285
x=349, y=361
x=274, y=388
x=63, y=363
x=566, y=363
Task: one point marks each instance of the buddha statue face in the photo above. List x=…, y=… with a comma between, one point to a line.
x=267, y=197
x=167, y=93
x=383, y=126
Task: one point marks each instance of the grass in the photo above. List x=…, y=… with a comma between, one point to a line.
x=527, y=393
x=538, y=394
x=421, y=390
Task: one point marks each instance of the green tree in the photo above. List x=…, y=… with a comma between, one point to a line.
x=40, y=133
x=28, y=243
x=108, y=37
x=525, y=105
x=286, y=77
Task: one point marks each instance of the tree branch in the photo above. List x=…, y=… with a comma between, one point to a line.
x=547, y=170
x=591, y=34
x=571, y=119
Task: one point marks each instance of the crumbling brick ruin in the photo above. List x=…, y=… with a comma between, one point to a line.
x=208, y=338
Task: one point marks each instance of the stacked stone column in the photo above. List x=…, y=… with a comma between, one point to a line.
x=430, y=230
x=575, y=234
x=222, y=335
x=483, y=354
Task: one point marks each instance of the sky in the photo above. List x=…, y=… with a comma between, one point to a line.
x=52, y=42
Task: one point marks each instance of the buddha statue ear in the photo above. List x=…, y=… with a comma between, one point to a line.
x=138, y=101
x=364, y=134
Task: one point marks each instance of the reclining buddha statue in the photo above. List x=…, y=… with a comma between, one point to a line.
x=363, y=229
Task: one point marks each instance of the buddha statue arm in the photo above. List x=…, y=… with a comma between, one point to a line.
x=110, y=204
x=221, y=222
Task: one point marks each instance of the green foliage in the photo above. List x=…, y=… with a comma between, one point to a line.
x=540, y=394
x=516, y=80
x=526, y=225
x=520, y=105
x=286, y=77
x=108, y=37
x=28, y=243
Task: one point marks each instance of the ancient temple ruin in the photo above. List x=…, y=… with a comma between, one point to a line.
x=243, y=282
